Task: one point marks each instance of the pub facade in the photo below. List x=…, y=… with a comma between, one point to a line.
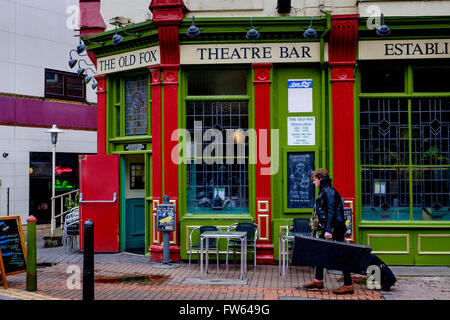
x=230, y=125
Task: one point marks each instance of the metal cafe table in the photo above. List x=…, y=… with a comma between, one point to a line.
x=242, y=236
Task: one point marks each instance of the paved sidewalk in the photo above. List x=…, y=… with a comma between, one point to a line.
x=124, y=276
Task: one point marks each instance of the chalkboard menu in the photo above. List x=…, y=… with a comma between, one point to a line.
x=300, y=189
x=12, y=247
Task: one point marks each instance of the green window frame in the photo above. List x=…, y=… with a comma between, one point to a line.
x=404, y=150
x=118, y=106
x=223, y=111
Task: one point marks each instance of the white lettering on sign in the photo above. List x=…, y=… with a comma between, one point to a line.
x=404, y=49
x=130, y=60
x=250, y=53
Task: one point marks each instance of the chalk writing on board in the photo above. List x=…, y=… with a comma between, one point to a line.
x=11, y=246
x=300, y=189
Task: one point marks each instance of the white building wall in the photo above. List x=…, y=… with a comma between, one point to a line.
x=35, y=35
x=14, y=169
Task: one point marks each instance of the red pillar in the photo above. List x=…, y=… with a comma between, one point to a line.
x=342, y=53
x=101, y=114
x=262, y=84
x=167, y=15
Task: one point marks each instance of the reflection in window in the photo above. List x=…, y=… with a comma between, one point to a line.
x=137, y=176
x=218, y=182
x=385, y=193
x=136, y=106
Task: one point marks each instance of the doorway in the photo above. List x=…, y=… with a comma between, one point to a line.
x=134, y=187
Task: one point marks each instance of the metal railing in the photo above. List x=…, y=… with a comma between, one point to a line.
x=61, y=210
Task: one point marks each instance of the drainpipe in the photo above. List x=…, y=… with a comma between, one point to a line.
x=323, y=69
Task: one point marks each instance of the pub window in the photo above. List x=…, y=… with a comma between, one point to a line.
x=130, y=101
x=137, y=176
x=217, y=177
x=385, y=77
x=64, y=85
x=431, y=79
x=405, y=154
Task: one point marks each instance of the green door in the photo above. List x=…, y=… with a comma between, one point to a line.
x=135, y=224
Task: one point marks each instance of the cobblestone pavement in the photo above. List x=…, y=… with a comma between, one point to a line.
x=124, y=276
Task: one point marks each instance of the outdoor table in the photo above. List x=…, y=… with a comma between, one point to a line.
x=224, y=235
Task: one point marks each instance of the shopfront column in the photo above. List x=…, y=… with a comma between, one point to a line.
x=342, y=53
x=262, y=83
x=167, y=16
x=101, y=114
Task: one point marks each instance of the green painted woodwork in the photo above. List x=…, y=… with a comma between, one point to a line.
x=409, y=245
x=135, y=223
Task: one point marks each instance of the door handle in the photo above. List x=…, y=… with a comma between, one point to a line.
x=98, y=201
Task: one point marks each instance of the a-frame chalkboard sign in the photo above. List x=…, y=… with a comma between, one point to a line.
x=12, y=248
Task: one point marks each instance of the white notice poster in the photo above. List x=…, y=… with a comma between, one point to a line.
x=300, y=95
x=301, y=131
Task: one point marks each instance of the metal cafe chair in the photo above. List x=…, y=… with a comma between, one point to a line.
x=252, y=234
x=295, y=227
x=195, y=246
x=71, y=230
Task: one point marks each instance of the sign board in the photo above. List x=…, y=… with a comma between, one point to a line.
x=300, y=189
x=348, y=215
x=129, y=60
x=301, y=131
x=12, y=248
x=165, y=217
x=404, y=49
x=135, y=147
x=300, y=95
x=250, y=53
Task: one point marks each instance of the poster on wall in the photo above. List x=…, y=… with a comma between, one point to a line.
x=301, y=131
x=300, y=95
x=300, y=189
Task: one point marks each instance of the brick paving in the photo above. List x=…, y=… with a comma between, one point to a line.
x=172, y=283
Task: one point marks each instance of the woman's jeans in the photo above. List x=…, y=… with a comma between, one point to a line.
x=319, y=270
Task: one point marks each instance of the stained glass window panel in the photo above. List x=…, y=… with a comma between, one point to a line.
x=136, y=106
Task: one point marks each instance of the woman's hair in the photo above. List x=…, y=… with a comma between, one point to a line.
x=319, y=173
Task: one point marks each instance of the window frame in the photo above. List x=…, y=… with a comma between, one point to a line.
x=65, y=94
x=409, y=95
x=182, y=124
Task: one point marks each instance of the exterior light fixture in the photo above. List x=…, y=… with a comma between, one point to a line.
x=252, y=34
x=72, y=61
x=193, y=31
x=94, y=84
x=81, y=70
x=81, y=47
x=117, y=38
x=310, y=33
x=88, y=78
x=383, y=30
x=54, y=131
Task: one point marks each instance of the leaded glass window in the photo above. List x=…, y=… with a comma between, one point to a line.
x=218, y=182
x=405, y=154
x=136, y=106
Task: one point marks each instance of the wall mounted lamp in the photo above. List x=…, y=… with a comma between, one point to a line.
x=117, y=38
x=5, y=154
x=383, y=30
x=310, y=33
x=252, y=34
x=81, y=70
x=193, y=31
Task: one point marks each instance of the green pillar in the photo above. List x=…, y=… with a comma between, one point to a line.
x=31, y=254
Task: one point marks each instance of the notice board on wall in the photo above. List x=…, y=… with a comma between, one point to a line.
x=300, y=189
x=12, y=248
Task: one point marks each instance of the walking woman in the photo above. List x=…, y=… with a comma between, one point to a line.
x=330, y=212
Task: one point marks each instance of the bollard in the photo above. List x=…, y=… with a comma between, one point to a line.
x=31, y=254
x=88, y=261
x=166, y=247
